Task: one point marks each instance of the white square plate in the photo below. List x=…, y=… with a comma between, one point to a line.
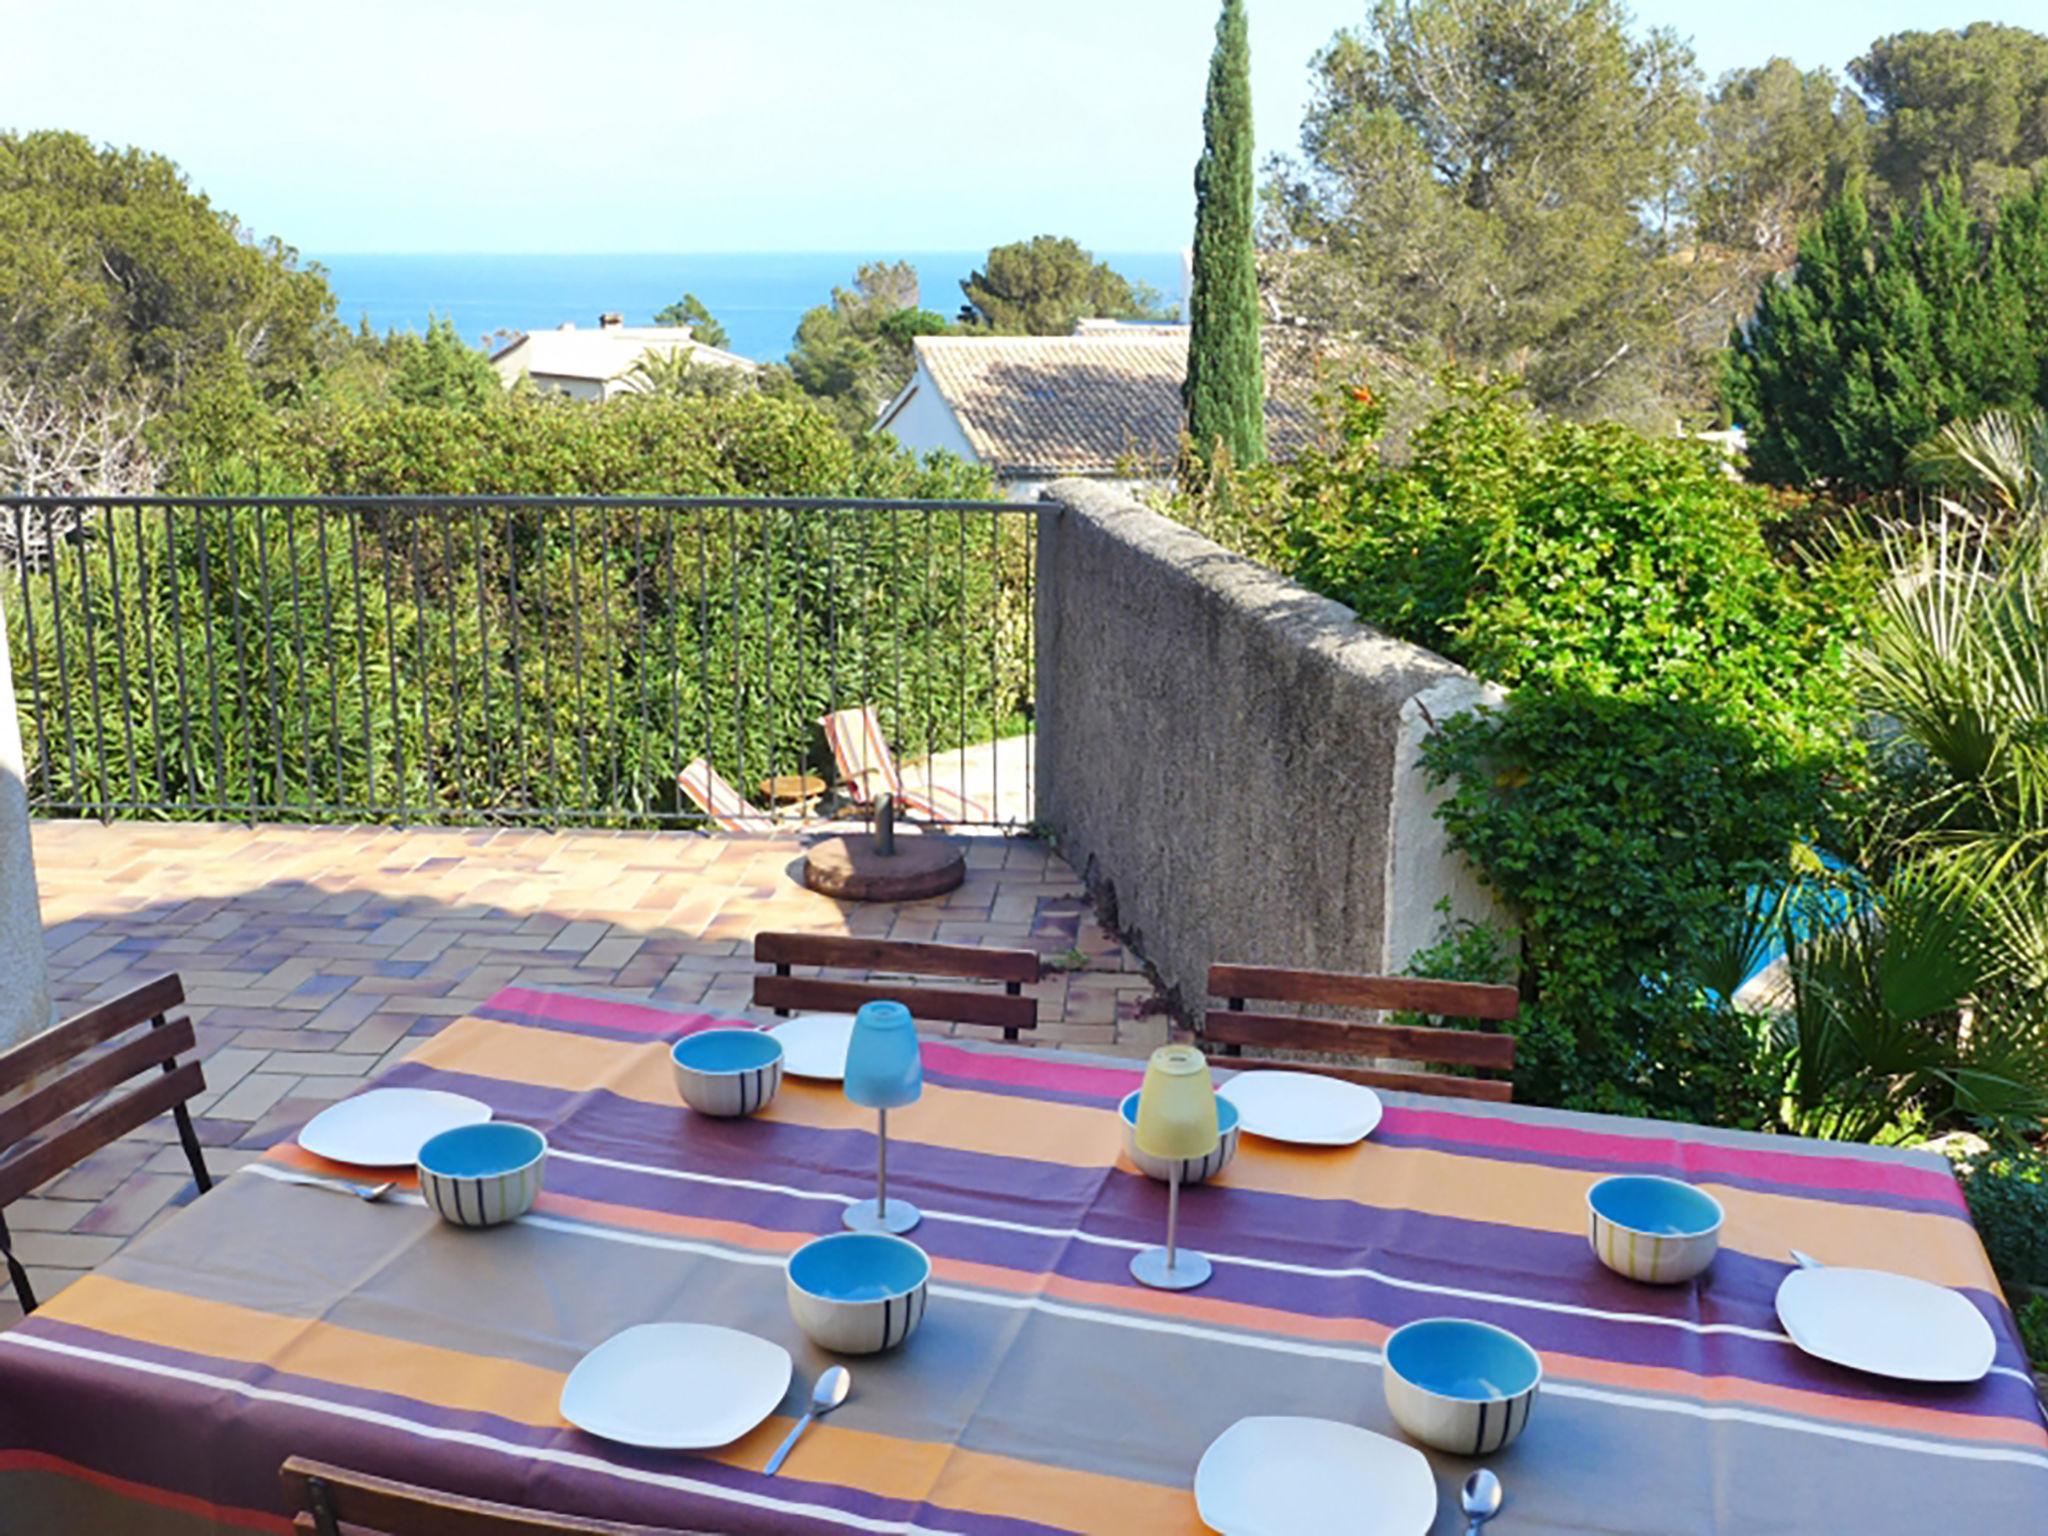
x=676, y=1386
x=814, y=1045
x=1886, y=1324
x=1288, y=1477
x=1303, y=1107
x=386, y=1127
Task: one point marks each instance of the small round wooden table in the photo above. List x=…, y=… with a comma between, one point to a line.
x=792, y=788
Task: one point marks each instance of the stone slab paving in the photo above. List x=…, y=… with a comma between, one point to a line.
x=315, y=956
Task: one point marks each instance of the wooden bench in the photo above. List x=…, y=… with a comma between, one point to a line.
x=92, y=1076
x=1008, y=1010
x=1235, y=1027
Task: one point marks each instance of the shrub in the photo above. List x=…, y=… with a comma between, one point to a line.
x=1677, y=717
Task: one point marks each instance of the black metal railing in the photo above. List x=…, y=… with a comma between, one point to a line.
x=504, y=660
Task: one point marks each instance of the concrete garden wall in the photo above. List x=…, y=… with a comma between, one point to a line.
x=1232, y=759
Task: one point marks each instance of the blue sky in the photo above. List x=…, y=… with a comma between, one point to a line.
x=742, y=125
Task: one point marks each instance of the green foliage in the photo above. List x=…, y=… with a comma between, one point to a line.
x=1047, y=285
x=1679, y=699
x=1973, y=102
x=1779, y=144
x=113, y=271
x=680, y=375
x=690, y=312
x=854, y=354
x=1879, y=338
x=1226, y=381
x=466, y=660
x=2008, y=1197
x=1499, y=182
x=440, y=369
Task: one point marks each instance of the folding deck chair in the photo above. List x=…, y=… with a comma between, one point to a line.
x=726, y=806
x=867, y=768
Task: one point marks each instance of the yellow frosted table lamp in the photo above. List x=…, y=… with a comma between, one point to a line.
x=1176, y=1120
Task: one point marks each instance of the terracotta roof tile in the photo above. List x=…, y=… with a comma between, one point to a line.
x=1105, y=399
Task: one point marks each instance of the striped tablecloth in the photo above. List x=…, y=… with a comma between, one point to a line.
x=1045, y=1391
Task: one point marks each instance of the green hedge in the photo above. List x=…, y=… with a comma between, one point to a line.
x=456, y=658
x=1677, y=722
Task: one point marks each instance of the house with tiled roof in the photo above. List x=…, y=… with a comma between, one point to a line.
x=1103, y=403
x=598, y=364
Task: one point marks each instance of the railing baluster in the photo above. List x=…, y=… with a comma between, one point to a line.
x=41, y=761
x=754, y=718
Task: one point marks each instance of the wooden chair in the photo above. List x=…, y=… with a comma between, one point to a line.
x=1234, y=1027
x=867, y=768
x=716, y=798
x=333, y=1501
x=1008, y=1010
x=25, y=1164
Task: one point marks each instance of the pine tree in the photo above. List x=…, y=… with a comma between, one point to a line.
x=1226, y=386
x=1877, y=341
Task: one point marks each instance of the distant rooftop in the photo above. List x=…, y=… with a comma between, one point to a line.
x=1102, y=400
x=604, y=352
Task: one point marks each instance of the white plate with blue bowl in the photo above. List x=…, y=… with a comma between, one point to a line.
x=1460, y=1386
x=1657, y=1230
x=814, y=1045
x=483, y=1175
x=1306, y=1108
x=677, y=1386
x=1193, y=1170
x=858, y=1293
x=727, y=1072
x=386, y=1127
x=1275, y=1476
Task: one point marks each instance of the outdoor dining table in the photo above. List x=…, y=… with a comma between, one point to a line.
x=1045, y=1391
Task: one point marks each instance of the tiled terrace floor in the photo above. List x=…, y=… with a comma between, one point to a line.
x=313, y=957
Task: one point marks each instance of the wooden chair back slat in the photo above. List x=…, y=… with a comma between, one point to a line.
x=816, y=994
x=1008, y=1010
x=44, y=1160
x=1454, y=1047
x=92, y=1078
x=1340, y=989
x=848, y=952
x=361, y=1502
x=102, y=1021
x=1235, y=1027
x=1491, y=1090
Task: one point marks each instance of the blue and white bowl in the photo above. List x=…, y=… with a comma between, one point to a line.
x=727, y=1072
x=857, y=1293
x=483, y=1175
x=1660, y=1231
x=1460, y=1386
x=1193, y=1170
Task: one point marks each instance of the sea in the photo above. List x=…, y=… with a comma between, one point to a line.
x=758, y=298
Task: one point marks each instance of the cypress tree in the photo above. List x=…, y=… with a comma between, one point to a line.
x=1226, y=385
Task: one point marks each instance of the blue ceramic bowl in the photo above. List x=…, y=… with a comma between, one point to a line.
x=727, y=1071
x=1658, y=1230
x=856, y=1293
x=482, y=1175
x=1460, y=1386
x=1193, y=1170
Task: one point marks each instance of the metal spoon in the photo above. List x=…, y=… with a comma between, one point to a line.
x=1481, y=1499
x=1806, y=1260
x=828, y=1394
x=339, y=1186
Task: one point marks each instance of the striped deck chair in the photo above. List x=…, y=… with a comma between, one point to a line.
x=867, y=768
x=726, y=806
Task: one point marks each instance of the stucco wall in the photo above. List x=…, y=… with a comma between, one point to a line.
x=1232, y=758
x=24, y=981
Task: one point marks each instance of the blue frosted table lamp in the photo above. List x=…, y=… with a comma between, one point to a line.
x=883, y=1072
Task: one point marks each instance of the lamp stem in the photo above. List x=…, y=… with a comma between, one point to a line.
x=1172, y=1210
x=882, y=1166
